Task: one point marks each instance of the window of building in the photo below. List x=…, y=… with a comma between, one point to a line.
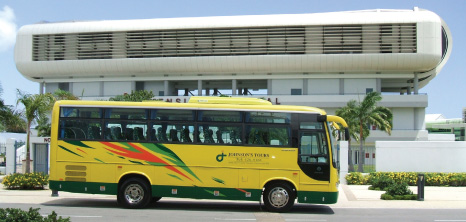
x=296, y=92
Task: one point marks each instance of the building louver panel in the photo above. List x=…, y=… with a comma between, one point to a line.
x=331, y=39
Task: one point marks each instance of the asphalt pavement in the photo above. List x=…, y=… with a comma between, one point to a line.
x=350, y=196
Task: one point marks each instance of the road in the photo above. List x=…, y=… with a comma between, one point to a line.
x=184, y=210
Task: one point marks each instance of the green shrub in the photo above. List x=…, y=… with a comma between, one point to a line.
x=398, y=197
x=458, y=179
x=27, y=181
x=399, y=189
x=33, y=215
x=355, y=178
x=381, y=183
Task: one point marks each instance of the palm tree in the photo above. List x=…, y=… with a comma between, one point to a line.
x=60, y=94
x=12, y=120
x=35, y=106
x=359, y=115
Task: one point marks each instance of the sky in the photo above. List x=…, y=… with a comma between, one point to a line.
x=446, y=92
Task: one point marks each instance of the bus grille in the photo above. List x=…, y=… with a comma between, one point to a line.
x=75, y=173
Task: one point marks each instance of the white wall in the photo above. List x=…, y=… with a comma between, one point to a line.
x=90, y=89
x=323, y=86
x=284, y=86
x=420, y=156
x=359, y=86
x=51, y=87
x=154, y=86
x=403, y=118
x=117, y=88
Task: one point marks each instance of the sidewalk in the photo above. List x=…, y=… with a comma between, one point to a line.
x=350, y=196
x=359, y=196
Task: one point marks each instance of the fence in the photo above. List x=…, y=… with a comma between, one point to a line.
x=369, y=159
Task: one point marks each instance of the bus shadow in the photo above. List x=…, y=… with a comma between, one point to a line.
x=191, y=205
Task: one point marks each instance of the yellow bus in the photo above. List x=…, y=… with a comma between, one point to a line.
x=208, y=148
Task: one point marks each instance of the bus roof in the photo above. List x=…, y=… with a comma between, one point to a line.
x=211, y=103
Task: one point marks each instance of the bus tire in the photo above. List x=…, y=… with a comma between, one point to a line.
x=279, y=197
x=134, y=193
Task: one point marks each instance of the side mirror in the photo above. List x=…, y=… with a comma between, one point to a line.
x=347, y=136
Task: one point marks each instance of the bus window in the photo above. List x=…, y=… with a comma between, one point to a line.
x=219, y=134
x=167, y=132
x=220, y=116
x=267, y=117
x=125, y=113
x=124, y=130
x=313, y=147
x=172, y=115
x=275, y=136
x=81, y=112
x=80, y=129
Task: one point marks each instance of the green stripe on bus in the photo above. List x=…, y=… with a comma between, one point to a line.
x=162, y=191
x=317, y=197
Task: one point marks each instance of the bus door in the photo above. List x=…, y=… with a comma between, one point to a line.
x=314, y=155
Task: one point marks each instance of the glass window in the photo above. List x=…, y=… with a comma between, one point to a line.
x=311, y=125
x=166, y=132
x=313, y=147
x=125, y=113
x=267, y=117
x=216, y=134
x=80, y=129
x=131, y=131
x=80, y=112
x=175, y=115
x=274, y=136
x=220, y=116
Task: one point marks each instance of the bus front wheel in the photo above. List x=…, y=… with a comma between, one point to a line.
x=134, y=193
x=279, y=197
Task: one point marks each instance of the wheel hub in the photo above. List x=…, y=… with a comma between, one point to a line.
x=134, y=193
x=278, y=197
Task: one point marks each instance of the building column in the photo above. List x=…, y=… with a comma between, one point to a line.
x=342, y=87
x=305, y=87
x=199, y=87
x=166, y=90
x=416, y=84
x=41, y=88
x=233, y=86
x=269, y=87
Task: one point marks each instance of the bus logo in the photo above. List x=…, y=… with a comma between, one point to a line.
x=220, y=157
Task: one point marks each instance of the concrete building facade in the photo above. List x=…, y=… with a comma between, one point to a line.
x=322, y=60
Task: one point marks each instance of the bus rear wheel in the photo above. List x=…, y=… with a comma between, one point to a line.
x=134, y=193
x=279, y=197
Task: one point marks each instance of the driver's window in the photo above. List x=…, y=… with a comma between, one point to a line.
x=313, y=148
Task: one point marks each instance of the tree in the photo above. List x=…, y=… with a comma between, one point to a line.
x=360, y=115
x=36, y=106
x=64, y=95
x=44, y=127
x=135, y=96
x=12, y=120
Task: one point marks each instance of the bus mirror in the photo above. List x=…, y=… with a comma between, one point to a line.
x=322, y=118
x=347, y=134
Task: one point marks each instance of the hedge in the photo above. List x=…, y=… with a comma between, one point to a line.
x=27, y=181
x=431, y=179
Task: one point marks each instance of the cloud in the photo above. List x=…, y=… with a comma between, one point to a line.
x=7, y=28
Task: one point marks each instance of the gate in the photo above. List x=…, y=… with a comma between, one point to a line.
x=41, y=158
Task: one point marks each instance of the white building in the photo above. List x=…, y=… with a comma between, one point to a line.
x=320, y=60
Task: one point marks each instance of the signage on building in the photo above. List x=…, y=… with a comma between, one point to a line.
x=174, y=99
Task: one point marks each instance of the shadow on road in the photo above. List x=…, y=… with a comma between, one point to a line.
x=190, y=205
